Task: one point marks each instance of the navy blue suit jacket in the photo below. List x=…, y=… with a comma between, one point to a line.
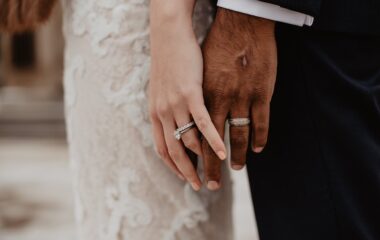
x=353, y=16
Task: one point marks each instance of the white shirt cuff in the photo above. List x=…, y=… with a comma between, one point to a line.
x=268, y=11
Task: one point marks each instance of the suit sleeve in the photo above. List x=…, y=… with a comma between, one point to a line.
x=268, y=10
x=311, y=7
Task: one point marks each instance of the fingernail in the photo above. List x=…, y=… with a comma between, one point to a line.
x=221, y=155
x=258, y=149
x=181, y=177
x=212, y=185
x=237, y=167
x=195, y=186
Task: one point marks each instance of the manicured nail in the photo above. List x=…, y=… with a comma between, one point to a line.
x=258, y=149
x=237, y=167
x=195, y=186
x=212, y=185
x=221, y=155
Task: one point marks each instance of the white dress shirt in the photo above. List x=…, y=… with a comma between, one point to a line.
x=268, y=11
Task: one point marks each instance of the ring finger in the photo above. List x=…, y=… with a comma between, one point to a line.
x=190, y=138
x=239, y=135
x=161, y=146
x=177, y=153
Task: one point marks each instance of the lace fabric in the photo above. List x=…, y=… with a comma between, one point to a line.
x=122, y=189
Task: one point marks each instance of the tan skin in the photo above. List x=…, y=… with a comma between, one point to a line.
x=17, y=15
x=240, y=63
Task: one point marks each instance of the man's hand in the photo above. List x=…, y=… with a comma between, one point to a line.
x=240, y=61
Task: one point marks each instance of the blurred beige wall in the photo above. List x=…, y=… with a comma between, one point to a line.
x=31, y=96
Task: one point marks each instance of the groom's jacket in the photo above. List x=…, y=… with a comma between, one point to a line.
x=356, y=16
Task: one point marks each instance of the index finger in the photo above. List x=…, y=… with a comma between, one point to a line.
x=206, y=126
x=216, y=115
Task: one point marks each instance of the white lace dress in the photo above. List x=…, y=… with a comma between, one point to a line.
x=122, y=190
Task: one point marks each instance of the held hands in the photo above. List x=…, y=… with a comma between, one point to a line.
x=240, y=61
x=240, y=69
x=175, y=89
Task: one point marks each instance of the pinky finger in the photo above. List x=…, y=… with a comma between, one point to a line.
x=161, y=148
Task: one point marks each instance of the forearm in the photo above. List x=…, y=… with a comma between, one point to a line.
x=170, y=20
x=243, y=23
x=20, y=15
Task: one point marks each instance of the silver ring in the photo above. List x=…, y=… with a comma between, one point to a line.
x=181, y=130
x=239, y=122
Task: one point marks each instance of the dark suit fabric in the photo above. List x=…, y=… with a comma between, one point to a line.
x=353, y=16
x=311, y=7
x=319, y=176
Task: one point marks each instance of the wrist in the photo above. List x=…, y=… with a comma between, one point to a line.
x=171, y=12
x=171, y=22
x=229, y=19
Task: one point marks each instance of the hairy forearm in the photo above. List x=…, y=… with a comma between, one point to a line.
x=21, y=15
x=235, y=26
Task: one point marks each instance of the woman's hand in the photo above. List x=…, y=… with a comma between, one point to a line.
x=175, y=89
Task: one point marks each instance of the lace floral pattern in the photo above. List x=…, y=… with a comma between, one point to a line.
x=122, y=190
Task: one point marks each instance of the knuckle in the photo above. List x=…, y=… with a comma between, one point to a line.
x=174, y=155
x=220, y=88
x=242, y=98
x=162, y=110
x=202, y=123
x=191, y=144
x=238, y=140
x=221, y=93
x=261, y=129
x=260, y=95
x=153, y=114
x=175, y=101
x=162, y=153
x=188, y=92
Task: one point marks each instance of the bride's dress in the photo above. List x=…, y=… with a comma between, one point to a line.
x=123, y=191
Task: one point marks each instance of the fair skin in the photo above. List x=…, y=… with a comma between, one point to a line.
x=233, y=78
x=175, y=90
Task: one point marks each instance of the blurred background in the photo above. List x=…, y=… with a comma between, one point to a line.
x=35, y=186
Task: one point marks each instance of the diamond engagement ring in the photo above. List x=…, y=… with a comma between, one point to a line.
x=181, y=130
x=239, y=122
